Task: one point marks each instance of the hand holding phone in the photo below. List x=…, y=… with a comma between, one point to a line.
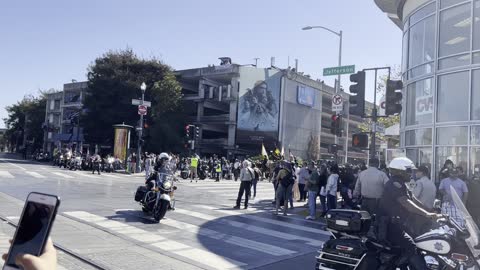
x=31, y=237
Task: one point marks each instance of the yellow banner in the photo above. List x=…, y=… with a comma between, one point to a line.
x=120, y=146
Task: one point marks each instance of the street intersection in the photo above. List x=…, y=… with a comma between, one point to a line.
x=99, y=221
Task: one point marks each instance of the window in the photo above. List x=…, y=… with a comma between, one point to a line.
x=56, y=120
x=476, y=95
x=475, y=161
x=452, y=135
x=422, y=13
x=456, y=154
x=447, y=3
x=455, y=61
x=50, y=118
x=420, y=102
x=49, y=134
x=422, y=42
x=405, y=52
x=475, y=135
x=455, y=26
x=452, y=98
x=420, y=156
x=420, y=70
x=57, y=104
x=52, y=105
x=476, y=58
x=476, y=26
x=418, y=137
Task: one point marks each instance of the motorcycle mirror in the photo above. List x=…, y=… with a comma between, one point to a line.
x=174, y=188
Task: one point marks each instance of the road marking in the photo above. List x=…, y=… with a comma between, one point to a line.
x=252, y=228
x=15, y=165
x=85, y=175
x=5, y=174
x=110, y=175
x=62, y=175
x=266, y=220
x=35, y=174
x=180, y=249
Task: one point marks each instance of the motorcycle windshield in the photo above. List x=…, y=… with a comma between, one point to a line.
x=162, y=177
x=470, y=225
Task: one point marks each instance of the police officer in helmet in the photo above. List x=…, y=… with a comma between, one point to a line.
x=161, y=166
x=398, y=211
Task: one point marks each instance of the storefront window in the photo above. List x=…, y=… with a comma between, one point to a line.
x=420, y=102
x=453, y=92
x=452, y=135
x=420, y=156
x=476, y=94
x=447, y=3
x=475, y=135
x=476, y=58
x=475, y=161
x=456, y=154
x=476, y=26
x=422, y=42
x=454, y=61
x=420, y=70
x=418, y=137
x=455, y=26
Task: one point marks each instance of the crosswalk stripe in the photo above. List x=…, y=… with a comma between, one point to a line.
x=180, y=249
x=252, y=228
x=231, y=188
x=266, y=220
x=5, y=174
x=110, y=175
x=85, y=175
x=234, y=240
x=35, y=174
x=62, y=175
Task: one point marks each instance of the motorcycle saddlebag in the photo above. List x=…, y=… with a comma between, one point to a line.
x=349, y=221
x=341, y=254
x=140, y=193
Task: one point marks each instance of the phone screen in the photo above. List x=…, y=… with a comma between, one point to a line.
x=32, y=231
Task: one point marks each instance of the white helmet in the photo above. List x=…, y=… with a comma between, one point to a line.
x=402, y=164
x=164, y=156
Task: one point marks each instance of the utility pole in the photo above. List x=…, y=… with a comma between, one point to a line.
x=143, y=87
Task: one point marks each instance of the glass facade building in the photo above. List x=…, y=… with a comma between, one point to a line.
x=441, y=74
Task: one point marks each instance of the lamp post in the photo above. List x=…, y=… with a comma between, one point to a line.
x=337, y=88
x=143, y=87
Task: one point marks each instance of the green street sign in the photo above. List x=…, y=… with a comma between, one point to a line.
x=338, y=70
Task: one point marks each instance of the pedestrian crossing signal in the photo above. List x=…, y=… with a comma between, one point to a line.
x=360, y=140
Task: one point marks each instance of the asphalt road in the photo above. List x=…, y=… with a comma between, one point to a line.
x=99, y=220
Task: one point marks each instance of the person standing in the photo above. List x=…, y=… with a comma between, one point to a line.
x=218, y=171
x=302, y=179
x=193, y=168
x=257, y=175
x=425, y=190
x=331, y=187
x=460, y=187
x=370, y=185
x=285, y=182
x=246, y=178
x=313, y=186
x=236, y=169
x=96, y=159
x=322, y=192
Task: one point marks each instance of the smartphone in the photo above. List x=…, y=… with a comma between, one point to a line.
x=34, y=227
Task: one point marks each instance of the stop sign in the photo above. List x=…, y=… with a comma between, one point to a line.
x=142, y=109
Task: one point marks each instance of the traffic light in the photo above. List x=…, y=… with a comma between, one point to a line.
x=336, y=125
x=191, y=132
x=360, y=140
x=393, y=97
x=357, y=101
x=187, y=131
x=197, y=132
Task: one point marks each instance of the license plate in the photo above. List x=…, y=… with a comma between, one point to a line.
x=341, y=222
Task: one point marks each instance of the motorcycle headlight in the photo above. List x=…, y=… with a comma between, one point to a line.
x=167, y=184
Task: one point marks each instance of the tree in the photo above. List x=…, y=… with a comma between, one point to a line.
x=26, y=118
x=313, y=151
x=114, y=79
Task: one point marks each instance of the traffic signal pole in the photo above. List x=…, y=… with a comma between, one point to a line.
x=140, y=135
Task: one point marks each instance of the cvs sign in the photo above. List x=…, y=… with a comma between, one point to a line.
x=424, y=105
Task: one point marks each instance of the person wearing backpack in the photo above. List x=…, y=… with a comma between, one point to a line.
x=285, y=184
x=257, y=174
x=247, y=176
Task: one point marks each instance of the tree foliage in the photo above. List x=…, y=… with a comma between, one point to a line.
x=26, y=117
x=313, y=151
x=114, y=79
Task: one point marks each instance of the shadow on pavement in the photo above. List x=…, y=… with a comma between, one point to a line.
x=132, y=216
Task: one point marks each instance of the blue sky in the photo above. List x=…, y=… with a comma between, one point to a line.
x=47, y=43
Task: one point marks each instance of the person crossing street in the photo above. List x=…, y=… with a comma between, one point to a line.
x=246, y=177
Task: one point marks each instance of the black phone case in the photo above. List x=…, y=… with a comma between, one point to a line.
x=57, y=205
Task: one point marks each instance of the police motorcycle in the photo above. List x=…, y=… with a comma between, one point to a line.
x=65, y=159
x=109, y=161
x=75, y=163
x=202, y=170
x=156, y=197
x=448, y=245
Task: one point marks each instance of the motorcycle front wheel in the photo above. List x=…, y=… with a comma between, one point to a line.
x=161, y=210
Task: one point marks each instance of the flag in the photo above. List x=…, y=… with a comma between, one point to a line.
x=277, y=152
x=264, y=151
x=283, y=152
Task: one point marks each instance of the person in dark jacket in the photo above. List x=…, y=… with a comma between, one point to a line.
x=322, y=183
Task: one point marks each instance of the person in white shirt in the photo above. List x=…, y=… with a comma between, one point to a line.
x=424, y=190
x=331, y=187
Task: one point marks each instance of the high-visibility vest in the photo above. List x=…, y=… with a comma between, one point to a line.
x=219, y=168
x=194, y=162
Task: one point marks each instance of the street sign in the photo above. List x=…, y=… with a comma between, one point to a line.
x=379, y=128
x=338, y=70
x=142, y=109
x=381, y=110
x=337, y=103
x=139, y=102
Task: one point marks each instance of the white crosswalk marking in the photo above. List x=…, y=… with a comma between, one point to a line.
x=266, y=220
x=62, y=175
x=252, y=228
x=35, y=174
x=110, y=175
x=82, y=174
x=234, y=240
x=5, y=174
x=179, y=249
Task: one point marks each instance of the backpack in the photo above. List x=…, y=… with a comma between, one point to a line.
x=257, y=175
x=287, y=180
